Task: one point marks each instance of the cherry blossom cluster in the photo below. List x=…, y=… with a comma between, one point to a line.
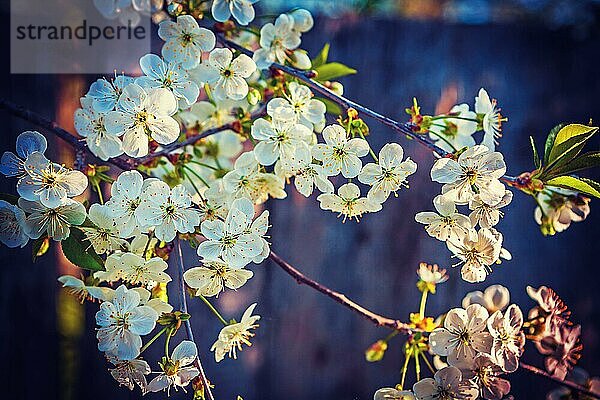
x=471, y=177
x=475, y=346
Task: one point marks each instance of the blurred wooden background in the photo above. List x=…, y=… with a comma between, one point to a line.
x=309, y=347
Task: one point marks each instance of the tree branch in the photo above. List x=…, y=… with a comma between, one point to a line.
x=187, y=323
x=341, y=298
x=565, y=383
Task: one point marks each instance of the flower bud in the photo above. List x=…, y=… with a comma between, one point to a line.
x=376, y=351
x=253, y=96
x=301, y=60
x=303, y=20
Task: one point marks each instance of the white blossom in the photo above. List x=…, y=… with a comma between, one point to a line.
x=279, y=139
x=463, y=336
x=339, y=154
x=83, y=292
x=241, y=10
x=487, y=215
x=477, y=171
x=446, y=384
x=129, y=373
x=214, y=276
x=106, y=94
x=177, y=370
x=167, y=210
x=28, y=142
x=308, y=175
x=171, y=76
x=185, y=41
x=509, y=339
x=232, y=336
x=12, y=225
x=142, y=114
x=393, y=394
x=229, y=240
x=55, y=222
x=275, y=40
x=104, y=235
x=89, y=123
x=447, y=223
x=135, y=269
x=493, y=298
x=489, y=112
x=477, y=254
x=389, y=174
x=347, y=202
x=50, y=183
x=225, y=75
x=455, y=131
x=121, y=322
x=298, y=100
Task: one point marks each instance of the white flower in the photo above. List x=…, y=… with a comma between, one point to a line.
x=241, y=10
x=477, y=254
x=12, y=225
x=259, y=227
x=28, y=142
x=246, y=181
x=389, y=174
x=178, y=369
x=229, y=240
x=493, y=298
x=185, y=41
x=89, y=123
x=125, y=199
x=299, y=100
x=445, y=385
x=448, y=224
x=477, y=171
x=275, y=40
x=135, y=269
x=50, y=183
x=393, y=394
x=105, y=95
x=143, y=113
x=558, y=208
x=463, y=336
x=170, y=76
x=506, y=330
x=487, y=215
x=483, y=375
x=432, y=274
x=303, y=20
x=339, y=154
x=83, y=292
x=234, y=335
x=279, y=139
x=489, y=112
x=167, y=210
x=214, y=276
x=347, y=202
x=453, y=134
x=121, y=322
x=226, y=75
x=205, y=115
x=104, y=236
x=157, y=304
x=55, y=222
x=308, y=175
x=130, y=373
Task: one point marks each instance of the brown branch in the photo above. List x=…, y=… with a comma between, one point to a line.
x=341, y=298
x=571, y=385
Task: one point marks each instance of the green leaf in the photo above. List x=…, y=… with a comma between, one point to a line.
x=587, y=160
x=78, y=250
x=329, y=71
x=330, y=106
x=321, y=58
x=536, y=156
x=550, y=141
x=568, y=140
x=9, y=198
x=581, y=185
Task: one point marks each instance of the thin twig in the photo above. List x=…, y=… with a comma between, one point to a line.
x=188, y=325
x=341, y=298
x=566, y=383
